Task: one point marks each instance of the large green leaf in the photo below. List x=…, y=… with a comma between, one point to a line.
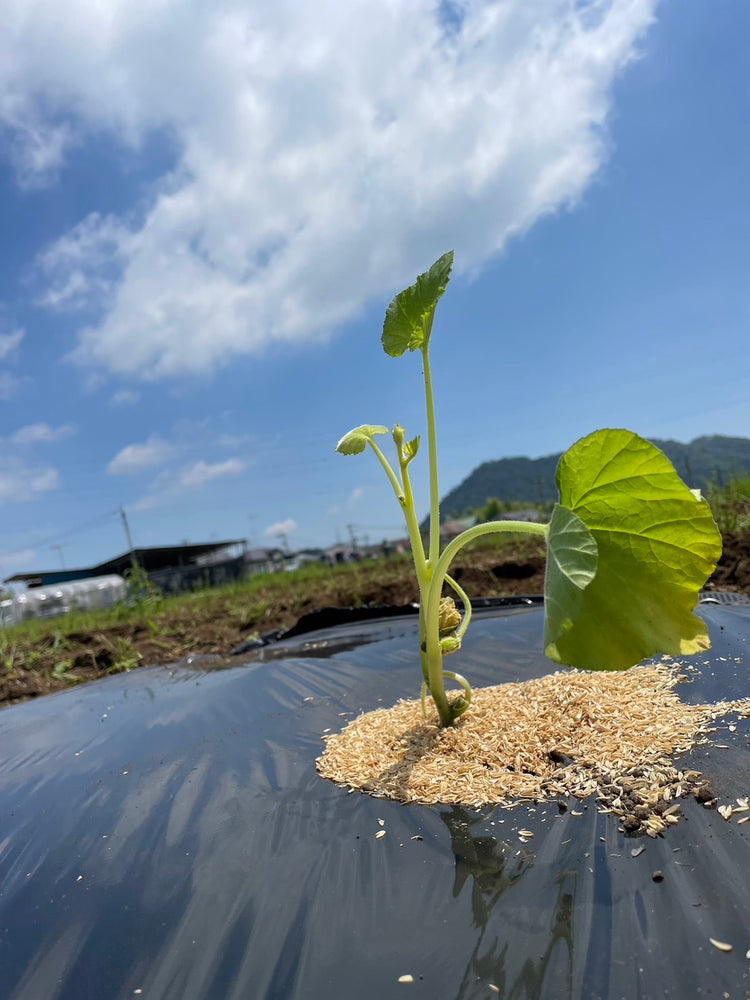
x=571, y=566
x=657, y=544
x=408, y=319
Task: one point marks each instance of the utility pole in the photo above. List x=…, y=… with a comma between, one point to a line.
x=60, y=551
x=123, y=515
x=283, y=539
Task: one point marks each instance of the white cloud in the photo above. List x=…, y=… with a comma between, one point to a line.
x=20, y=482
x=41, y=434
x=351, y=501
x=16, y=560
x=325, y=152
x=10, y=384
x=82, y=265
x=135, y=457
x=281, y=528
x=125, y=397
x=203, y=472
x=36, y=147
x=236, y=440
x=161, y=492
x=9, y=342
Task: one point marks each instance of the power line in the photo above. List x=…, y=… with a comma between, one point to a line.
x=380, y=527
x=87, y=526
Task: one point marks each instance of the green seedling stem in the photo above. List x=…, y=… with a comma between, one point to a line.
x=624, y=519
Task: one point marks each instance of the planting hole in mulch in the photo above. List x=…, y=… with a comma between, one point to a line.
x=571, y=733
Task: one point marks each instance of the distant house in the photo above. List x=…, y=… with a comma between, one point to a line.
x=531, y=515
x=381, y=550
x=450, y=529
x=295, y=560
x=264, y=560
x=338, y=554
x=170, y=567
x=176, y=568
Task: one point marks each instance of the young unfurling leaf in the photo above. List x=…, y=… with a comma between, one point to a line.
x=411, y=448
x=356, y=440
x=408, y=319
x=406, y=449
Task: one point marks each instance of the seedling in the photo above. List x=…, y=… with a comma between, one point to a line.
x=629, y=545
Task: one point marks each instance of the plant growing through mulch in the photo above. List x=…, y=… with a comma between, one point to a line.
x=629, y=545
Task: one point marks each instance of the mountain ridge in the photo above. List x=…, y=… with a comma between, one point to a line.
x=705, y=459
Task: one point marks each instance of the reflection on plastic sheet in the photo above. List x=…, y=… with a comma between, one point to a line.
x=166, y=832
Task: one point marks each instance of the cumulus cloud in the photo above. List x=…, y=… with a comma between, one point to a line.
x=41, y=434
x=323, y=152
x=9, y=342
x=281, y=528
x=136, y=457
x=20, y=481
x=171, y=483
x=82, y=265
x=203, y=472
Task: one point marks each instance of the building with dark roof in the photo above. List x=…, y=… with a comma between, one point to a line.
x=155, y=561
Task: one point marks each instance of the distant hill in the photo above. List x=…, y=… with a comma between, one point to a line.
x=532, y=480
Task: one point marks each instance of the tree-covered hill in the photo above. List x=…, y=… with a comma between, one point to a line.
x=532, y=480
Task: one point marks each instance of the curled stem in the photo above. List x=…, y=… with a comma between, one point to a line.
x=460, y=679
x=448, y=713
x=453, y=548
x=466, y=603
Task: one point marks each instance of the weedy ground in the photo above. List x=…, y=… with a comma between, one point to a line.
x=39, y=657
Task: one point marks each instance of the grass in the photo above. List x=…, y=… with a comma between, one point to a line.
x=730, y=505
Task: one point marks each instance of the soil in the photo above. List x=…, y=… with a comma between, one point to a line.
x=733, y=569
x=210, y=625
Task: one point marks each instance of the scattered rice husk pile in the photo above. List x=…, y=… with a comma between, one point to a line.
x=571, y=733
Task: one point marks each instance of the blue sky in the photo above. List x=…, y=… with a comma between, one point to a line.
x=205, y=209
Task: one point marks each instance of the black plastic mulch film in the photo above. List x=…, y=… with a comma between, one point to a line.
x=165, y=835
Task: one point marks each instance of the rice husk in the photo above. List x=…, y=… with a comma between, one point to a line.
x=570, y=733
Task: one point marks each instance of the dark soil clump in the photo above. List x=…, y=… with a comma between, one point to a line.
x=733, y=569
